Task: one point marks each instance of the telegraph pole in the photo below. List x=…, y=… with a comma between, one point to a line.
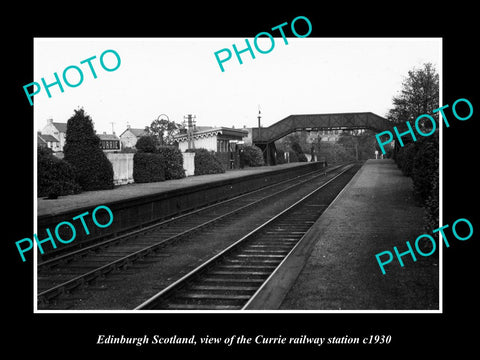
x=190, y=122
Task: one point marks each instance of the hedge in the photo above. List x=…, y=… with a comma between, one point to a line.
x=206, y=162
x=420, y=161
x=432, y=206
x=55, y=177
x=302, y=157
x=405, y=158
x=252, y=156
x=172, y=162
x=146, y=144
x=148, y=167
x=425, y=167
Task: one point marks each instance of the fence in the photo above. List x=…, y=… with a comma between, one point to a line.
x=189, y=163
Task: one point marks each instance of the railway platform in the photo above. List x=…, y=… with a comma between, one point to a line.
x=337, y=268
x=131, y=191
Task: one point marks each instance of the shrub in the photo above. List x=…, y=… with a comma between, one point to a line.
x=172, y=162
x=405, y=158
x=93, y=170
x=432, y=205
x=55, y=177
x=146, y=144
x=425, y=167
x=206, y=162
x=334, y=153
x=292, y=155
x=252, y=156
x=148, y=167
x=420, y=160
x=302, y=157
x=297, y=148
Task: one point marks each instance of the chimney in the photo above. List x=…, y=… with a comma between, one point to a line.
x=49, y=121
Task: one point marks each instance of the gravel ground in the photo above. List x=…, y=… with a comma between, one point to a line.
x=376, y=212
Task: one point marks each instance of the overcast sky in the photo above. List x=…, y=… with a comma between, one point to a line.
x=180, y=76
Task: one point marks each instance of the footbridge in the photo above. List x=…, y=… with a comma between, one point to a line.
x=265, y=138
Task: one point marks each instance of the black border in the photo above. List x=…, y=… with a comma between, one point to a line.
x=411, y=333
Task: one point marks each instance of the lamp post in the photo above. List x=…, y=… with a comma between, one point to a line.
x=161, y=134
x=159, y=116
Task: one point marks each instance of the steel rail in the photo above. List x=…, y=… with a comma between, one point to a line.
x=165, y=293
x=130, y=258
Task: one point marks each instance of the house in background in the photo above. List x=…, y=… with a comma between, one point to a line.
x=130, y=137
x=47, y=141
x=54, y=133
x=109, y=142
x=57, y=131
x=222, y=140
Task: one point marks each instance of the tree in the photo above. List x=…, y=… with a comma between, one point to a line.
x=93, y=171
x=163, y=130
x=360, y=145
x=419, y=95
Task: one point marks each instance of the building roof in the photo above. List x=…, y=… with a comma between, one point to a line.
x=47, y=138
x=62, y=127
x=233, y=133
x=202, y=128
x=136, y=132
x=108, y=137
x=40, y=140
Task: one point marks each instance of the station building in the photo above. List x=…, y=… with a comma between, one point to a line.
x=218, y=139
x=222, y=140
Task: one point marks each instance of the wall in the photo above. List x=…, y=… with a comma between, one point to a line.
x=189, y=163
x=209, y=143
x=122, y=164
x=122, y=167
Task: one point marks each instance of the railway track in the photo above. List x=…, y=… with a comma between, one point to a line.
x=231, y=279
x=67, y=272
